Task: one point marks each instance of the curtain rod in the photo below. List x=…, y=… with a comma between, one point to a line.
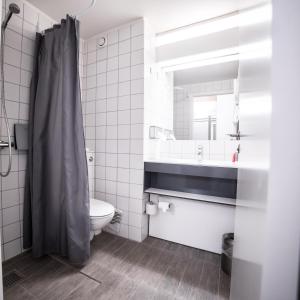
x=83, y=12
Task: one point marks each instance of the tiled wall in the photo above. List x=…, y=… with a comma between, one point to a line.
x=183, y=114
x=113, y=105
x=185, y=149
x=19, y=45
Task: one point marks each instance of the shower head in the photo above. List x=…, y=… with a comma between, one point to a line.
x=13, y=9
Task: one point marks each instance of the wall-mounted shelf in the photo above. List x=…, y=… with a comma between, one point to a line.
x=199, y=179
x=191, y=196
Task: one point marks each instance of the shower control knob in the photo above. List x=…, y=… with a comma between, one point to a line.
x=91, y=158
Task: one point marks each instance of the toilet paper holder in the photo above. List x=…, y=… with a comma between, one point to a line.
x=164, y=206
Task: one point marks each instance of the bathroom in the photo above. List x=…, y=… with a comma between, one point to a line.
x=148, y=149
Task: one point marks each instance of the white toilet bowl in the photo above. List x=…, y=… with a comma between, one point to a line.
x=101, y=213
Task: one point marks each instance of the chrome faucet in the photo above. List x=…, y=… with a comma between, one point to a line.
x=200, y=152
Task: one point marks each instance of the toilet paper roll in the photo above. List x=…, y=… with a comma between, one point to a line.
x=164, y=206
x=151, y=208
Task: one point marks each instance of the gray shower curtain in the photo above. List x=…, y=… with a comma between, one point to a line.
x=56, y=204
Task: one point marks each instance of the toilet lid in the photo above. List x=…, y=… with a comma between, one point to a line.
x=99, y=208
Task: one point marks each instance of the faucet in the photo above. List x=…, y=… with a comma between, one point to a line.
x=200, y=152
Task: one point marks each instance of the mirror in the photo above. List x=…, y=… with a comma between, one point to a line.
x=204, y=104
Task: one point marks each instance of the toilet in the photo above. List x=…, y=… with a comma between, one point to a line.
x=101, y=213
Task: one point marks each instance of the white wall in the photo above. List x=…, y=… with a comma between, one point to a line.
x=19, y=47
x=188, y=149
x=254, y=159
x=281, y=270
x=113, y=106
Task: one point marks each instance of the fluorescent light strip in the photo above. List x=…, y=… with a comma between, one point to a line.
x=198, y=57
x=203, y=63
x=234, y=20
x=250, y=51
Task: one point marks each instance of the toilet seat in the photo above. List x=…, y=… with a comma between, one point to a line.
x=100, y=209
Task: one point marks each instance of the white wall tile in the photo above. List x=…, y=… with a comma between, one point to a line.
x=124, y=117
x=135, y=234
x=112, y=90
x=137, y=28
x=11, y=232
x=123, y=175
x=112, y=50
x=111, y=173
x=10, y=215
x=137, y=57
x=123, y=146
x=111, y=146
x=112, y=132
x=112, y=63
x=118, y=122
x=137, y=101
x=124, y=132
x=112, y=104
x=12, y=56
x=10, y=198
x=136, y=161
x=14, y=40
x=123, y=160
x=29, y=30
x=137, y=72
x=123, y=203
x=137, y=86
x=124, y=33
x=112, y=37
x=137, y=131
x=30, y=14
x=91, y=57
x=112, y=77
x=136, y=176
x=137, y=43
x=123, y=189
x=137, y=116
x=12, y=249
x=124, y=47
x=124, y=88
x=124, y=60
x=136, y=191
x=101, y=66
x=124, y=74
x=111, y=160
x=102, y=53
x=124, y=102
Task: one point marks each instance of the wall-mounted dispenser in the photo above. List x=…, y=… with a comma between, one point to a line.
x=21, y=136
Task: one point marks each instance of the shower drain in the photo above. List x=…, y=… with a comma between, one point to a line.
x=10, y=279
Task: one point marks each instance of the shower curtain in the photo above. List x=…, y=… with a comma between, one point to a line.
x=56, y=204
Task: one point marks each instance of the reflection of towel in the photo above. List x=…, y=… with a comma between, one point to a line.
x=21, y=136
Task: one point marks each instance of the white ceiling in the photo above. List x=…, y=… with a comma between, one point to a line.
x=163, y=14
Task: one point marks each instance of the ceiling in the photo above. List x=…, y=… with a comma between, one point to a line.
x=163, y=14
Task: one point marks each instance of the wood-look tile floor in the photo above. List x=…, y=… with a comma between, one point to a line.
x=122, y=269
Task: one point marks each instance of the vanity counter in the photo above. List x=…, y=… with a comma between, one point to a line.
x=210, y=178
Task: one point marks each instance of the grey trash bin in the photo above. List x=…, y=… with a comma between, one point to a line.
x=227, y=250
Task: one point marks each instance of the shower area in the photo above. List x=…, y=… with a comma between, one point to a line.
x=42, y=132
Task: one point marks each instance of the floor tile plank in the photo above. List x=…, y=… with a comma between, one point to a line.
x=122, y=269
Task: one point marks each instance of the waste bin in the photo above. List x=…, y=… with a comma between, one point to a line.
x=227, y=250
